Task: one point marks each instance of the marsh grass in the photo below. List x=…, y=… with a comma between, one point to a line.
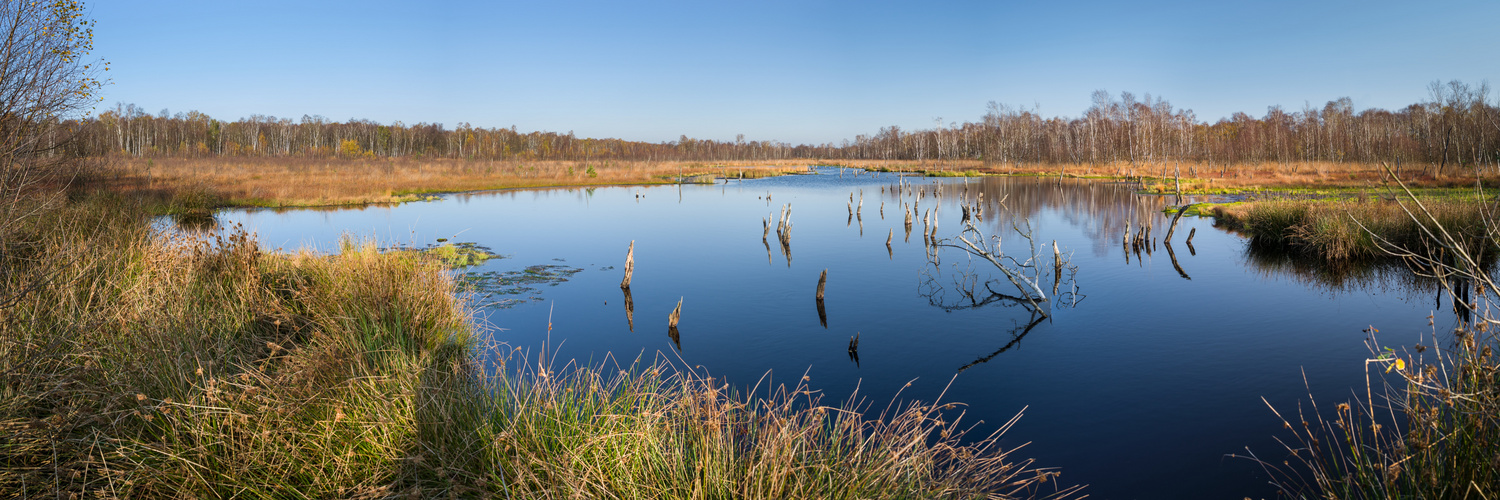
x=194, y=365
x=1346, y=230
x=300, y=182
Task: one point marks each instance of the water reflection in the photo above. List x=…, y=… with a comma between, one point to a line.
x=1101, y=208
x=1175, y=265
x=1382, y=276
x=1016, y=334
x=194, y=222
x=629, y=309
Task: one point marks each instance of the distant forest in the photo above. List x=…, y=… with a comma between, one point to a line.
x=1455, y=126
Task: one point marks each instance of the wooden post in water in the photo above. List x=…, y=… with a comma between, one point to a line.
x=629, y=266
x=1191, y=234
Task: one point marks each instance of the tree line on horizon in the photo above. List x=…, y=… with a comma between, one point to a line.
x=1456, y=126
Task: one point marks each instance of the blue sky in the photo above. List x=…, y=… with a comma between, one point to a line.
x=801, y=71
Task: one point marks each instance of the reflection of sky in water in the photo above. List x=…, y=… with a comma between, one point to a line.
x=1139, y=391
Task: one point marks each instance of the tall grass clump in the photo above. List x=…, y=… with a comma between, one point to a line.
x=654, y=431
x=1345, y=230
x=169, y=364
x=145, y=363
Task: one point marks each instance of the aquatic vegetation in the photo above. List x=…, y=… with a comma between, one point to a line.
x=508, y=288
x=461, y=254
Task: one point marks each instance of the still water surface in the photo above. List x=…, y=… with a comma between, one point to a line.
x=1138, y=385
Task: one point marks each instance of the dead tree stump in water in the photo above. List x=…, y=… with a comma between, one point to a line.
x=1057, y=267
x=629, y=310
x=1173, y=227
x=629, y=265
x=822, y=282
x=675, y=315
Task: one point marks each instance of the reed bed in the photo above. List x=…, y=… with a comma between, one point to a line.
x=1346, y=230
x=146, y=364
x=286, y=182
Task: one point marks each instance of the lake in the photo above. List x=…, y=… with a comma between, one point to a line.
x=1140, y=383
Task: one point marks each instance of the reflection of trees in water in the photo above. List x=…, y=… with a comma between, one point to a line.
x=1101, y=208
x=970, y=288
x=987, y=276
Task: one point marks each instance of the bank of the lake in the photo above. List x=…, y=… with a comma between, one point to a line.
x=148, y=362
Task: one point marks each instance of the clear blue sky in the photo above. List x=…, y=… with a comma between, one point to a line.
x=798, y=71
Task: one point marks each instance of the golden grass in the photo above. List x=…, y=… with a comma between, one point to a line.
x=286, y=182
x=318, y=182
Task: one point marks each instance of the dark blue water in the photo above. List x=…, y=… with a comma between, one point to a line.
x=1138, y=385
